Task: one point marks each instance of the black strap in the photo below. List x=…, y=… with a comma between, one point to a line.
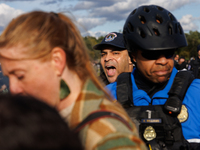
x=182, y=81
x=177, y=92
x=153, y=145
x=98, y=115
x=124, y=89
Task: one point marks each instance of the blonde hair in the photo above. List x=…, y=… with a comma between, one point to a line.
x=39, y=32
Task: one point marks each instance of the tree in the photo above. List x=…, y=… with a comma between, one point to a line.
x=193, y=39
x=90, y=42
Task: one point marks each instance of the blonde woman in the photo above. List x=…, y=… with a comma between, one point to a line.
x=44, y=56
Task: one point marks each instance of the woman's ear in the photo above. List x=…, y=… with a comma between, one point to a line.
x=58, y=59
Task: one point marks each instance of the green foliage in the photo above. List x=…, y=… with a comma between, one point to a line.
x=90, y=42
x=193, y=39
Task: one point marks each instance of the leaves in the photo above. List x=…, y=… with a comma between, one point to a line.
x=90, y=42
x=193, y=39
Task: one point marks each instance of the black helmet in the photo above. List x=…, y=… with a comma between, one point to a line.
x=153, y=28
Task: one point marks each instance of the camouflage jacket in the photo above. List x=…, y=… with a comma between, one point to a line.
x=107, y=132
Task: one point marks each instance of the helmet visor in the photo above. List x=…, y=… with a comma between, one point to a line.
x=153, y=55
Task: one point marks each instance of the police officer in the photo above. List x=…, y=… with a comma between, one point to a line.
x=114, y=56
x=164, y=108
x=195, y=64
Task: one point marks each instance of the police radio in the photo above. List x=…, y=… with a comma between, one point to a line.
x=173, y=105
x=177, y=92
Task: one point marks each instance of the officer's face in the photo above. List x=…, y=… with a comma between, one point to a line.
x=115, y=62
x=154, y=66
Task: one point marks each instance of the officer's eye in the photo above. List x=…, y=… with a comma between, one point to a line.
x=103, y=54
x=116, y=53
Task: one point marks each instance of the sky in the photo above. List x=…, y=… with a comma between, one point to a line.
x=99, y=17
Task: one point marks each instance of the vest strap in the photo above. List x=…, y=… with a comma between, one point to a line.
x=124, y=89
x=98, y=115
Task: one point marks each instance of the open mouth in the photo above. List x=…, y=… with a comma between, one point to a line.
x=110, y=70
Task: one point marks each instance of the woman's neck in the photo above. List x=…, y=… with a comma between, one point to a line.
x=75, y=85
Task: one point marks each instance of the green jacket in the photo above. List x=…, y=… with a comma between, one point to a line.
x=104, y=133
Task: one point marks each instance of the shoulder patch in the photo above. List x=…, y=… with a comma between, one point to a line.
x=183, y=116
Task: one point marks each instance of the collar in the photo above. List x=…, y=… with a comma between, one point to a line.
x=140, y=97
x=88, y=100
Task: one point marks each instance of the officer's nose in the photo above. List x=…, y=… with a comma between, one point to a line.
x=162, y=60
x=108, y=57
